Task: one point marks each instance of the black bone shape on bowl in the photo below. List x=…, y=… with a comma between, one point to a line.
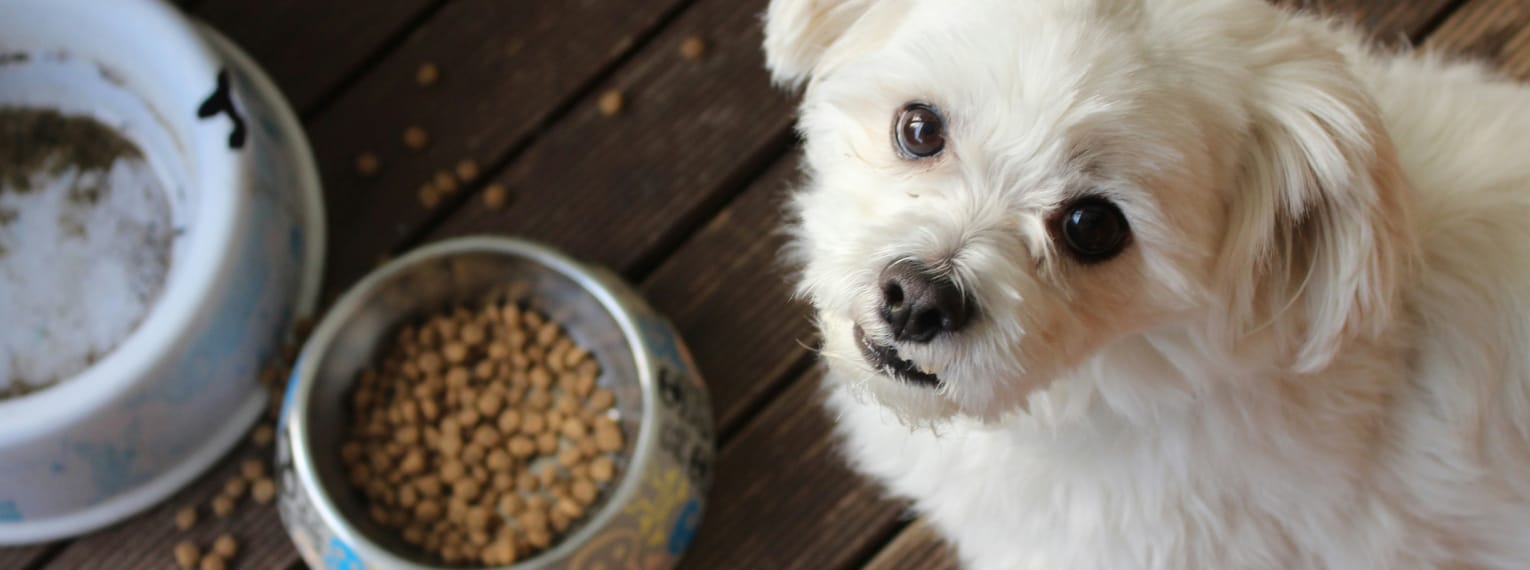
x=222, y=102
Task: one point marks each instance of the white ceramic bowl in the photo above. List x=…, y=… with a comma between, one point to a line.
x=181, y=389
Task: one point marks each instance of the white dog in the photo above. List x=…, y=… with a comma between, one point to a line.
x=1167, y=283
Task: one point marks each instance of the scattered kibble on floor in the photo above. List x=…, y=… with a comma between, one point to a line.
x=235, y=488
x=429, y=196
x=467, y=170
x=445, y=182
x=252, y=469
x=611, y=103
x=264, y=490
x=185, y=518
x=692, y=48
x=367, y=164
x=263, y=435
x=213, y=562
x=428, y=74
x=225, y=546
x=496, y=196
x=416, y=138
x=187, y=554
x=222, y=506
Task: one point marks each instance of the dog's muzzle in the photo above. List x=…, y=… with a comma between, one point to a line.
x=886, y=360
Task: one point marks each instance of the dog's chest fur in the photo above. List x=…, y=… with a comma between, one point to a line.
x=1022, y=494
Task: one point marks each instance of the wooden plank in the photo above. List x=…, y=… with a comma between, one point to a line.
x=506, y=68
x=689, y=135
x=310, y=46
x=1497, y=31
x=916, y=548
x=731, y=301
x=147, y=541
x=19, y=557
x=783, y=498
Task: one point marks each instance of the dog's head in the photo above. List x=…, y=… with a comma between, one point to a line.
x=1001, y=194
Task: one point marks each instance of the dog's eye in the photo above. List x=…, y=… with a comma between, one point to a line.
x=919, y=131
x=1094, y=229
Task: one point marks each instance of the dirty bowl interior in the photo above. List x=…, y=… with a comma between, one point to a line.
x=365, y=323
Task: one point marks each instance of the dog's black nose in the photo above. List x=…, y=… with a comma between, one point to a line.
x=919, y=305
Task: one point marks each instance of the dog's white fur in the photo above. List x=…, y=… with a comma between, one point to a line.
x=1312, y=355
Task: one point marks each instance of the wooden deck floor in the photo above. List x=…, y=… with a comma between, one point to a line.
x=679, y=193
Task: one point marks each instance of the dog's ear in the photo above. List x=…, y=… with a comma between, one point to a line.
x=1318, y=232
x=799, y=32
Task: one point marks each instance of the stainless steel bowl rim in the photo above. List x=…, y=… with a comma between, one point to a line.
x=607, y=290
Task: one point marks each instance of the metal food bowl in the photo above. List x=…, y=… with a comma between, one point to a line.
x=646, y=520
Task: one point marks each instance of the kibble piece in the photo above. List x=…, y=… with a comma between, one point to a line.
x=416, y=138
x=522, y=447
x=465, y=488
x=413, y=463
x=533, y=423
x=367, y=164
x=583, y=491
x=573, y=428
x=213, y=562
x=608, y=437
x=235, y=488
x=445, y=182
x=489, y=404
x=185, y=518
x=429, y=196
x=263, y=491
x=692, y=48
x=539, y=538
x=547, y=476
x=428, y=510
x=547, y=443
x=187, y=554
x=486, y=436
x=496, y=196
x=501, y=552
x=428, y=74
x=467, y=170
x=252, y=468
x=429, y=485
x=225, y=545
x=222, y=506
x=602, y=399
x=499, y=460
x=455, y=352
x=569, y=457
x=263, y=435
x=510, y=421
x=602, y=469
x=610, y=103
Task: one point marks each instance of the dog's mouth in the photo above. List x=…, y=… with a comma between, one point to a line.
x=886, y=360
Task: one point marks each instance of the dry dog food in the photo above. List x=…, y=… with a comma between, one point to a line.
x=185, y=518
x=225, y=546
x=416, y=138
x=467, y=170
x=610, y=103
x=187, y=554
x=86, y=239
x=496, y=196
x=367, y=164
x=428, y=74
x=481, y=436
x=692, y=48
